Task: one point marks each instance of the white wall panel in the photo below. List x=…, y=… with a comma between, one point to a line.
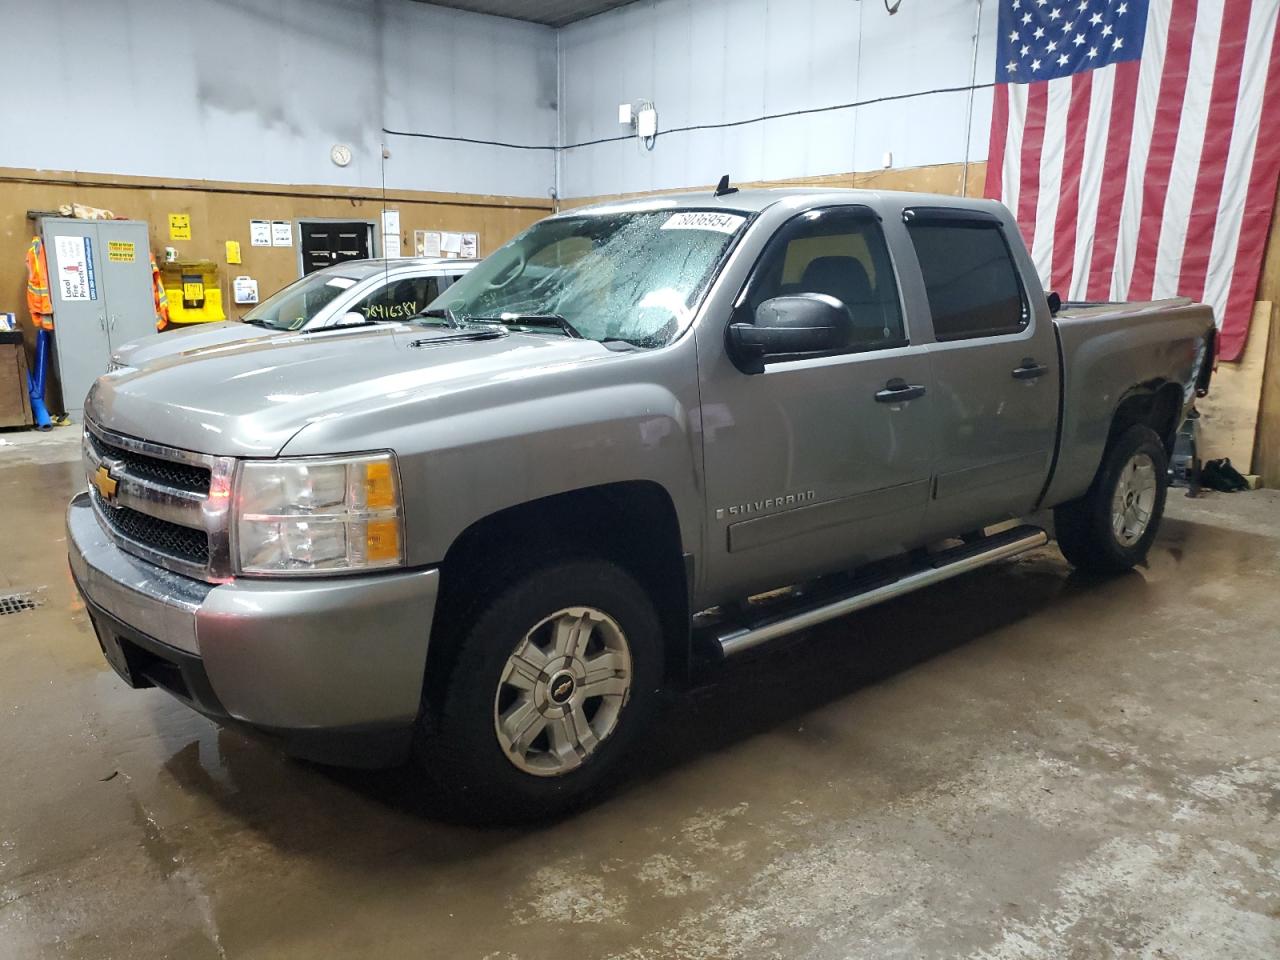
x=148, y=87
x=720, y=61
x=259, y=90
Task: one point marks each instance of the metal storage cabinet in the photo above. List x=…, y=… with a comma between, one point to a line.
x=100, y=280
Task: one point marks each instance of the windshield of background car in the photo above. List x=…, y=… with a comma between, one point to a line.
x=294, y=306
x=632, y=275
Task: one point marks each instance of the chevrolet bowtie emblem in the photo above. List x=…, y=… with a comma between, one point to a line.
x=105, y=482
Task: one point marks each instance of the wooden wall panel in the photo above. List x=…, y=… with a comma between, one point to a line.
x=1229, y=414
x=1266, y=460
x=1267, y=453
x=942, y=178
x=222, y=211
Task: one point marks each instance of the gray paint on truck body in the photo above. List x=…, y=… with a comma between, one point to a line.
x=482, y=425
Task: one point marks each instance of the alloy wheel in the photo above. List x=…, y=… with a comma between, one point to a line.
x=1134, y=499
x=562, y=691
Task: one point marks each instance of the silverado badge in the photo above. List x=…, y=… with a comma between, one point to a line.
x=105, y=482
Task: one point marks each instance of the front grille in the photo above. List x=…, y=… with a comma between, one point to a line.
x=181, y=475
x=171, y=539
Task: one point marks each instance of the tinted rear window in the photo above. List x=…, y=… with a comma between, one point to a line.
x=971, y=279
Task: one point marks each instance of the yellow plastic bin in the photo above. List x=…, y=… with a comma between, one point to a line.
x=194, y=291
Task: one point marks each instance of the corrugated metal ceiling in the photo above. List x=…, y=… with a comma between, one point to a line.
x=554, y=13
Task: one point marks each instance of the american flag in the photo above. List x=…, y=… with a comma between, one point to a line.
x=1136, y=142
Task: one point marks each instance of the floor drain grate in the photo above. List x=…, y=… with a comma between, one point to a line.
x=16, y=603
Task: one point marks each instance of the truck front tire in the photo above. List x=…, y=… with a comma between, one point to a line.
x=1111, y=528
x=553, y=676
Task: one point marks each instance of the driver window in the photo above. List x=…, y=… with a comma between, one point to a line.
x=399, y=299
x=839, y=252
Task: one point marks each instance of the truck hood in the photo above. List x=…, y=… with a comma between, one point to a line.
x=140, y=352
x=249, y=397
x=194, y=341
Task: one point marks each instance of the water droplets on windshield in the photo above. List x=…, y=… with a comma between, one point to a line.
x=612, y=276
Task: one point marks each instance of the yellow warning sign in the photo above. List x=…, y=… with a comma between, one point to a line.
x=120, y=251
x=193, y=292
x=179, y=226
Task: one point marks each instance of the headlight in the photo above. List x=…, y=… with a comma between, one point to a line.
x=317, y=516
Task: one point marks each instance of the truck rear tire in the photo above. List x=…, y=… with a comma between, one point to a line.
x=1111, y=528
x=552, y=678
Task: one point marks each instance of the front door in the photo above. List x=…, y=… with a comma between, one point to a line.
x=995, y=371
x=326, y=242
x=820, y=462
x=82, y=346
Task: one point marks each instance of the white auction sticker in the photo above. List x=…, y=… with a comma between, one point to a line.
x=705, y=220
x=342, y=283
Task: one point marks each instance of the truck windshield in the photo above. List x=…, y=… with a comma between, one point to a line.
x=292, y=307
x=635, y=276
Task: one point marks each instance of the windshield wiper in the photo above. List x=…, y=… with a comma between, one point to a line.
x=532, y=320
x=440, y=313
x=257, y=322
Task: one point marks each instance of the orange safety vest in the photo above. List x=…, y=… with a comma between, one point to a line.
x=160, y=296
x=38, y=301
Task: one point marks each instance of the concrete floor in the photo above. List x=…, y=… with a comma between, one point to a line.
x=1017, y=764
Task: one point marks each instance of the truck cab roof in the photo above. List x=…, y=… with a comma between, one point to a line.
x=752, y=201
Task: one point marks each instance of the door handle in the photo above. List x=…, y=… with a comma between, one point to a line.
x=1029, y=370
x=898, y=390
x=111, y=324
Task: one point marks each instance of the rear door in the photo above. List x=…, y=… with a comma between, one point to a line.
x=815, y=465
x=995, y=371
x=327, y=242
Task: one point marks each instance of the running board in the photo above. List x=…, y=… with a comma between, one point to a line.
x=942, y=566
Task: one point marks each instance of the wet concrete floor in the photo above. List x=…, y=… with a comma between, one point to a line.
x=1017, y=764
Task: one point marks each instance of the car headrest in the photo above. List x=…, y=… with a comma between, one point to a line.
x=844, y=278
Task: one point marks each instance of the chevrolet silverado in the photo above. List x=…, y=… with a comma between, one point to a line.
x=489, y=537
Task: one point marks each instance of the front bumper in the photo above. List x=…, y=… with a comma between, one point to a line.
x=331, y=667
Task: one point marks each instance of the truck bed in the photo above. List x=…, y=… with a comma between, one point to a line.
x=1106, y=349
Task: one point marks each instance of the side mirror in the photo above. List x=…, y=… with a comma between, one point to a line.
x=1055, y=303
x=808, y=323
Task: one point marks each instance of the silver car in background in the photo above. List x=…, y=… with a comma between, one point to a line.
x=350, y=294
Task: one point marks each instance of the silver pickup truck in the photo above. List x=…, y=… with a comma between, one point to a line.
x=637, y=437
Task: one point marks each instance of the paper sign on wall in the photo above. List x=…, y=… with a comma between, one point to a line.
x=179, y=226
x=281, y=233
x=260, y=233
x=451, y=243
x=233, y=251
x=426, y=243
x=74, y=259
x=245, y=289
x=391, y=233
x=470, y=244
x=120, y=251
